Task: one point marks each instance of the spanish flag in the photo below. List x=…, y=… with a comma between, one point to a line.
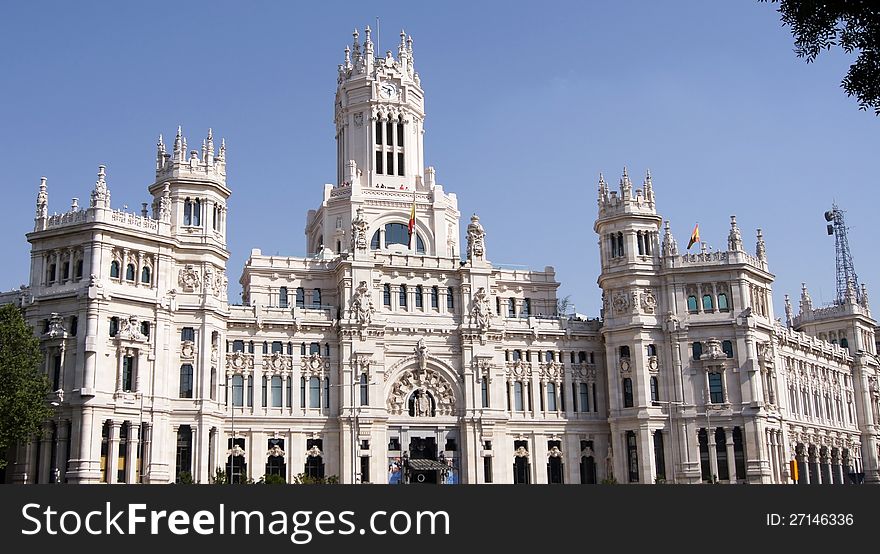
x=695, y=236
x=412, y=216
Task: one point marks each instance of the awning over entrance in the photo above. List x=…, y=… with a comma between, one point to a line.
x=427, y=465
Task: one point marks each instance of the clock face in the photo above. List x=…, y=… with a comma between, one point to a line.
x=388, y=90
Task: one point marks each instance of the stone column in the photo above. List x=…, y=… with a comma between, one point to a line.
x=45, y=461
x=61, y=453
x=131, y=455
x=774, y=457
x=731, y=462
x=113, y=451
x=120, y=354
x=713, y=453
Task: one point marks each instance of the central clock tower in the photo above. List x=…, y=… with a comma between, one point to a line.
x=379, y=116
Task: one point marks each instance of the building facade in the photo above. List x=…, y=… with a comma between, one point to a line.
x=395, y=352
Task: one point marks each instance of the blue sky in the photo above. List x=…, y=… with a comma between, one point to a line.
x=526, y=104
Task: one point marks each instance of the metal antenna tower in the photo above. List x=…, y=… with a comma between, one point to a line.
x=847, y=280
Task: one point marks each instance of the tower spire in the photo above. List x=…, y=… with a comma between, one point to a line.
x=670, y=247
x=788, y=312
x=734, y=238
x=178, y=145
x=101, y=194
x=806, y=304
x=42, y=200
x=649, y=187
x=760, y=248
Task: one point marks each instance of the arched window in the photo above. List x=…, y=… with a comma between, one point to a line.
x=396, y=233
x=844, y=343
x=114, y=269
x=548, y=356
x=450, y=299
x=627, y=393
x=78, y=271
x=692, y=303
x=402, y=296
x=419, y=296
x=145, y=275
x=652, y=350
x=582, y=357
x=655, y=389
x=517, y=355
x=435, y=297
x=187, y=212
x=197, y=213
x=282, y=297
x=114, y=326
x=186, y=381
x=727, y=347
x=327, y=349
x=697, y=349
x=624, y=351
x=707, y=303
x=386, y=295
x=722, y=302
x=511, y=307
x=315, y=348
x=620, y=249
x=145, y=329
x=129, y=272
x=300, y=297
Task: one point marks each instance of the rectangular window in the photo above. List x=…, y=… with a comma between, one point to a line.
x=378, y=132
x=511, y=307
x=551, y=397
x=400, y=163
x=484, y=391
x=365, y=390
x=282, y=297
x=659, y=457
x=56, y=372
x=316, y=298
x=419, y=295
x=487, y=469
x=450, y=299
x=435, y=297
x=187, y=334
x=277, y=347
x=402, y=296
x=127, y=373
x=400, y=133
x=314, y=392
x=526, y=307
x=276, y=391
x=365, y=469
x=186, y=381
x=627, y=393
x=585, y=397
x=632, y=456
x=237, y=390
x=716, y=388
x=518, y=396
x=379, y=159
x=390, y=166
x=300, y=297
x=250, y=391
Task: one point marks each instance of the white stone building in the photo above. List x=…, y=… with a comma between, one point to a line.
x=393, y=345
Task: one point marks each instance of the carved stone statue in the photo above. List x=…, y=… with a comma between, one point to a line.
x=359, y=231
x=480, y=310
x=476, y=239
x=362, y=304
x=422, y=403
x=422, y=353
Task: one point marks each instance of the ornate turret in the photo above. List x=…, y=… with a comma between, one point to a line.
x=476, y=240
x=207, y=166
x=760, y=248
x=788, y=312
x=100, y=194
x=806, y=304
x=734, y=238
x=670, y=247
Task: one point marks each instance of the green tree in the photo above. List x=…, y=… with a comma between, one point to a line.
x=23, y=388
x=854, y=25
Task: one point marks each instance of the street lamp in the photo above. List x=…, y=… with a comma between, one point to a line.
x=56, y=403
x=669, y=404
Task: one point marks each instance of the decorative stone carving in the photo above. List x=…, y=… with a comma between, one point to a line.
x=422, y=354
x=236, y=451
x=359, y=231
x=315, y=365
x=275, y=452
x=360, y=364
x=239, y=362
x=551, y=371
x=521, y=452
x=130, y=329
x=313, y=452
x=554, y=452
x=425, y=381
x=480, y=313
x=277, y=363
x=649, y=302
x=483, y=369
x=56, y=327
x=625, y=365
x=475, y=239
x=620, y=303
x=359, y=119
x=187, y=350
x=519, y=370
x=362, y=308
x=188, y=278
x=714, y=350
